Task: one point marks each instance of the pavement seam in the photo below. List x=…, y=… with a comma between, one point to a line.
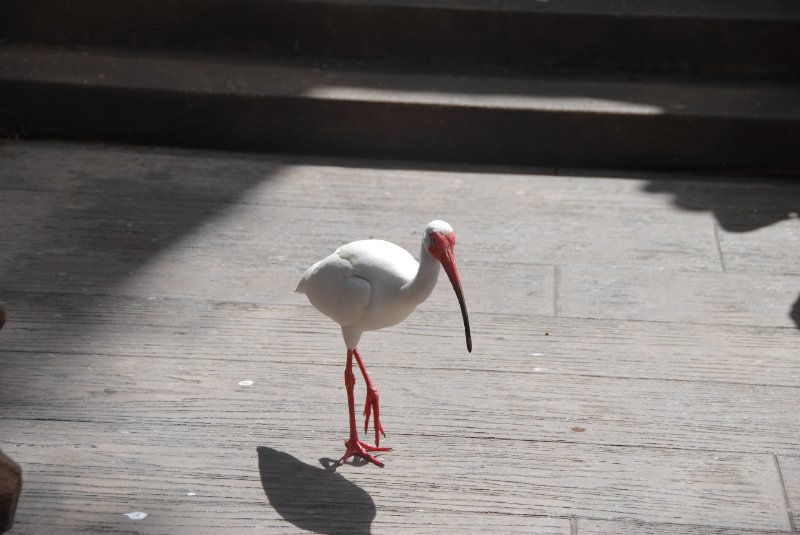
x=556, y=285
x=786, y=501
x=719, y=248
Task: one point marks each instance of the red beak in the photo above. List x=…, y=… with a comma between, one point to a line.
x=449, y=264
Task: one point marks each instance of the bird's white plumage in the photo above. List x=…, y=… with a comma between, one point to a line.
x=368, y=285
x=439, y=226
x=371, y=284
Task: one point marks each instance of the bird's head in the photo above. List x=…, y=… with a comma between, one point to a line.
x=440, y=240
x=438, y=237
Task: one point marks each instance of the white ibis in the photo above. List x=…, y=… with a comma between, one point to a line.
x=367, y=285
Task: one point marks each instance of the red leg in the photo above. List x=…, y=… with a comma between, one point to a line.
x=354, y=445
x=372, y=401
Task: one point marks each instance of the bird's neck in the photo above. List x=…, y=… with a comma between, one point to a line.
x=424, y=281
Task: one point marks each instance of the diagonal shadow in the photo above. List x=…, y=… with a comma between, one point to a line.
x=85, y=219
x=314, y=499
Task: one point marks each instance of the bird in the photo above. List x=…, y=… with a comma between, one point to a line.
x=368, y=285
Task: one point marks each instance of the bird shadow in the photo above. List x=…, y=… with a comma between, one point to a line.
x=795, y=312
x=314, y=499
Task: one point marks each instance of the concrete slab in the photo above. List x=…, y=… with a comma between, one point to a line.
x=145, y=288
x=708, y=38
x=353, y=110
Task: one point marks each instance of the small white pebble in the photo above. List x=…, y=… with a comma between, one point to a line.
x=192, y=493
x=136, y=515
x=245, y=383
x=540, y=370
x=537, y=354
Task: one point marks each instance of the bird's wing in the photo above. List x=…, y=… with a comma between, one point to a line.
x=334, y=287
x=381, y=262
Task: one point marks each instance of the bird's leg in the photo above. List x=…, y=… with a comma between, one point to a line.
x=354, y=445
x=371, y=404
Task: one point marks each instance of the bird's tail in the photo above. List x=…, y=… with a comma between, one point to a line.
x=301, y=286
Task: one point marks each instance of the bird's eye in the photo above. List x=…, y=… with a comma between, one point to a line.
x=433, y=239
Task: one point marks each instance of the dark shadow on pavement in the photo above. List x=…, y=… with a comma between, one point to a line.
x=82, y=219
x=314, y=499
x=739, y=205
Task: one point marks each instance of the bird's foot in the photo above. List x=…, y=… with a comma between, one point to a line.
x=361, y=449
x=372, y=406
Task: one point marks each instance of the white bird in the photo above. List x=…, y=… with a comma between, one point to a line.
x=371, y=284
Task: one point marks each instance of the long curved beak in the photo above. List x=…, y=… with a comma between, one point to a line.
x=449, y=264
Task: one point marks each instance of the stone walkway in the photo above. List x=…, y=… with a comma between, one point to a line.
x=636, y=362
